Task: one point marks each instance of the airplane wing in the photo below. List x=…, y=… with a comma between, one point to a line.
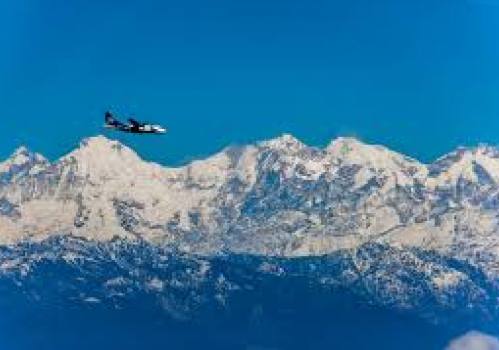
x=134, y=123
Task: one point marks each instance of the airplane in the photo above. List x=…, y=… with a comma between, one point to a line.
x=133, y=126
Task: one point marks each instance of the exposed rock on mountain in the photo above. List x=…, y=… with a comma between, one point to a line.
x=278, y=198
x=253, y=232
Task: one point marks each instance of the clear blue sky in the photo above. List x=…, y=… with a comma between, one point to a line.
x=420, y=76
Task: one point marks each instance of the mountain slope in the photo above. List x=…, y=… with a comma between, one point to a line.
x=278, y=197
x=259, y=241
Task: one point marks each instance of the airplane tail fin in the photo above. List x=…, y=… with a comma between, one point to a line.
x=112, y=122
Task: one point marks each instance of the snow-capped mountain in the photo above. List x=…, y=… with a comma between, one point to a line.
x=278, y=197
x=101, y=226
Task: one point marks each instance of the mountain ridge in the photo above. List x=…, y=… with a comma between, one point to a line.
x=281, y=140
x=100, y=227
x=277, y=197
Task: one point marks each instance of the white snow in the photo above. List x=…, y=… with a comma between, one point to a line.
x=160, y=197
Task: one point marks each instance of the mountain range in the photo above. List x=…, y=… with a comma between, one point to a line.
x=102, y=226
x=278, y=198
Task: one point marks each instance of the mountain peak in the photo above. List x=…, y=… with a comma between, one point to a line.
x=21, y=156
x=285, y=141
x=99, y=155
x=98, y=141
x=101, y=146
x=402, y=169
x=344, y=145
x=469, y=163
x=351, y=147
x=345, y=139
x=21, y=150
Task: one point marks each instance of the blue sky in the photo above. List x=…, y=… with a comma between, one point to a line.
x=419, y=76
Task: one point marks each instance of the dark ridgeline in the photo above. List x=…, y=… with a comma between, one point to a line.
x=119, y=295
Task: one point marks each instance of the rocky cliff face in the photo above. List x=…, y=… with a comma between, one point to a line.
x=278, y=198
